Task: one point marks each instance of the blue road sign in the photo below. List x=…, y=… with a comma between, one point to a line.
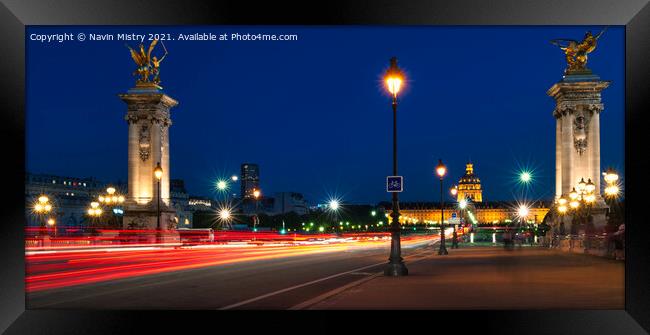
x=453, y=215
x=394, y=184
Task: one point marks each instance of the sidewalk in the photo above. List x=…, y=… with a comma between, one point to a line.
x=491, y=278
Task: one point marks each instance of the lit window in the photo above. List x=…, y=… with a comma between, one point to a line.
x=53, y=181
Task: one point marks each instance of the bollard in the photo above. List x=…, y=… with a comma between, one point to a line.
x=471, y=238
x=494, y=237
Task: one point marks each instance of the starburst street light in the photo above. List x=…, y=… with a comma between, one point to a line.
x=523, y=211
x=234, y=178
x=525, y=177
x=333, y=205
x=462, y=203
x=222, y=185
x=224, y=214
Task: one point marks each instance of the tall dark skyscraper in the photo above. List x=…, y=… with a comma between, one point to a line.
x=250, y=179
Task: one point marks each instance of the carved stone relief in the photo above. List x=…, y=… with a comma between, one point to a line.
x=145, y=142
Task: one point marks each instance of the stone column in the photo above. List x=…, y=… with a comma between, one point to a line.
x=149, y=119
x=578, y=106
x=558, y=154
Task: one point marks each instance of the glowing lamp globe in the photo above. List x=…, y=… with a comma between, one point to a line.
x=610, y=176
x=590, y=186
x=158, y=172
x=611, y=190
x=441, y=169
x=394, y=78
x=581, y=185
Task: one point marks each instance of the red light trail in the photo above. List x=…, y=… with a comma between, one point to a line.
x=100, y=261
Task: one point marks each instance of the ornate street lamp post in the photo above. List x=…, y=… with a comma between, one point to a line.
x=111, y=199
x=42, y=207
x=158, y=173
x=441, y=170
x=395, y=267
x=562, y=210
x=256, y=218
x=454, y=193
x=94, y=212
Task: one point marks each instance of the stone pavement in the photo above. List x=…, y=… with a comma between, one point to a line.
x=491, y=278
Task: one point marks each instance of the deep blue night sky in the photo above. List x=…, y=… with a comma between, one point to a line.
x=314, y=114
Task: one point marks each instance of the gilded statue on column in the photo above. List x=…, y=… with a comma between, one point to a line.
x=148, y=67
x=576, y=52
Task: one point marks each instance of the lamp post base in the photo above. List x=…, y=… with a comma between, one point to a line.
x=443, y=250
x=396, y=269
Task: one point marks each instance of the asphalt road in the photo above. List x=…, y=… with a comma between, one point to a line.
x=277, y=283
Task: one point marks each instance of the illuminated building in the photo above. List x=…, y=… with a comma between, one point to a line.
x=493, y=212
x=469, y=186
x=250, y=180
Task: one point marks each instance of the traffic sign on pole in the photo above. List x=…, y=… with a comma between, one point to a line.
x=394, y=184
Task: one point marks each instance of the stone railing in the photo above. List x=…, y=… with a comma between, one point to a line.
x=598, y=245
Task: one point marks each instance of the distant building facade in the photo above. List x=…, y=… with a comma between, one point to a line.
x=249, y=179
x=286, y=202
x=469, y=187
x=495, y=212
x=71, y=198
x=180, y=202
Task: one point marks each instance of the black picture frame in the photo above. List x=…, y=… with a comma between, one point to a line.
x=15, y=15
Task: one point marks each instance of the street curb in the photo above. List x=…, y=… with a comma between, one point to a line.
x=336, y=291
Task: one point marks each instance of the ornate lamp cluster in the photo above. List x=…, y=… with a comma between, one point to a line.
x=111, y=198
x=611, y=177
x=94, y=210
x=44, y=207
x=584, y=194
